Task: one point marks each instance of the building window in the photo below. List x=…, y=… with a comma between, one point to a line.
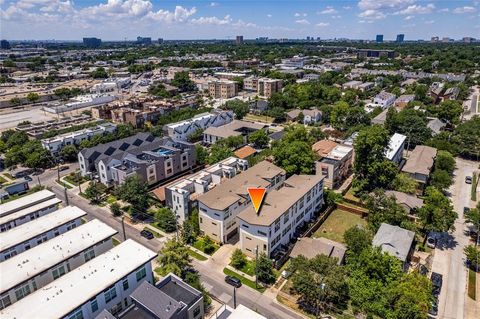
x=261, y=233
x=5, y=301
x=142, y=273
x=59, y=272
x=125, y=284
x=94, y=304
x=22, y=292
x=76, y=314
x=196, y=312
x=89, y=254
x=10, y=253
x=110, y=294
x=41, y=239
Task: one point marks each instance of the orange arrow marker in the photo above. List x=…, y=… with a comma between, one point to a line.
x=257, y=195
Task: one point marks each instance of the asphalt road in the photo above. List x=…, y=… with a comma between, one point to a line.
x=449, y=259
x=213, y=280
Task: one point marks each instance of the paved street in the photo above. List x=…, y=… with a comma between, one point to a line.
x=213, y=279
x=449, y=258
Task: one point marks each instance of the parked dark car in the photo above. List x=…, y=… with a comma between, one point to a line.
x=63, y=168
x=147, y=234
x=233, y=281
x=437, y=280
x=468, y=179
x=28, y=178
x=433, y=308
x=466, y=210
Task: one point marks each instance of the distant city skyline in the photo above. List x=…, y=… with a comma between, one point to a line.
x=128, y=19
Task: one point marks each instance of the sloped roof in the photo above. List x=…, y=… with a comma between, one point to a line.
x=394, y=240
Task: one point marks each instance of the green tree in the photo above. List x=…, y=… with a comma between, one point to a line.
x=450, y=111
x=188, y=234
x=445, y=161
x=174, y=258
x=300, y=118
x=370, y=145
x=295, y=158
x=99, y=73
x=437, y=213
x=202, y=154
x=182, y=81
x=15, y=101
x=357, y=239
x=384, y=209
x=467, y=138
x=134, y=191
x=95, y=192
x=33, y=97
x=472, y=253
x=219, y=152
x=441, y=179
x=239, y=107
x=238, y=260
x=264, y=269
x=116, y=209
x=404, y=183
x=473, y=217
x=69, y=153
x=166, y=219
x=321, y=284
x=259, y=139
x=410, y=296
x=196, y=136
x=411, y=123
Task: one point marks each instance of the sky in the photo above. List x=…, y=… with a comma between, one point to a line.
x=224, y=19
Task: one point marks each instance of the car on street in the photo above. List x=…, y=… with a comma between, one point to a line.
x=468, y=179
x=434, y=307
x=63, y=168
x=233, y=281
x=466, y=210
x=431, y=241
x=147, y=234
x=28, y=178
x=437, y=280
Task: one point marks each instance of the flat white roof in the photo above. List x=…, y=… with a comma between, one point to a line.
x=395, y=143
x=72, y=290
x=29, y=210
x=36, y=227
x=45, y=256
x=242, y=312
x=25, y=201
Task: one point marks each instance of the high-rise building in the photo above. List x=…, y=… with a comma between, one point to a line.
x=160, y=40
x=379, y=38
x=239, y=39
x=434, y=39
x=145, y=41
x=400, y=38
x=92, y=42
x=5, y=45
x=465, y=40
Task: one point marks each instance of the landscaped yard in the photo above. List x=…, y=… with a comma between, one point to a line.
x=471, y=284
x=337, y=223
x=245, y=281
x=200, y=245
x=248, y=268
x=196, y=255
x=259, y=118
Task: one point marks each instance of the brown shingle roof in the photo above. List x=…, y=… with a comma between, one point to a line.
x=311, y=247
x=421, y=160
x=245, y=152
x=323, y=147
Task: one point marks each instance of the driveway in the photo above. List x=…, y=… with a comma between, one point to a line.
x=449, y=259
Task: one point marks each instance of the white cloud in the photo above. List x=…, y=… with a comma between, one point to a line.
x=418, y=9
x=298, y=14
x=180, y=14
x=429, y=22
x=212, y=20
x=372, y=14
x=408, y=17
x=322, y=24
x=214, y=4
x=269, y=15
x=347, y=7
x=465, y=9
x=303, y=21
x=328, y=10
x=444, y=10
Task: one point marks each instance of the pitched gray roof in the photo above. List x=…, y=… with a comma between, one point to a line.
x=394, y=240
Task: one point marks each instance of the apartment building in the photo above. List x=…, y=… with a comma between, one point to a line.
x=283, y=212
x=181, y=196
x=218, y=209
x=57, y=143
x=223, y=89
x=384, y=99
x=250, y=83
x=267, y=87
x=169, y=298
x=29, y=235
x=105, y=282
x=152, y=163
x=28, y=214
x=24, y=202
x=88, y=158
x=396, y=145
x=41, y=265
x=335, y=163
x=181, y=130
x=402, y=101
x=310, y=116
x=212, y=134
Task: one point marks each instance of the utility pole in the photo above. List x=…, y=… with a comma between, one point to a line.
x=256, y=267
x=123, y=228
x=66, y=195
x=234, y=297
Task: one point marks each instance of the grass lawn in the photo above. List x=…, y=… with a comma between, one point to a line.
x=248, y=268
x=471, y=284
x=2, y=180
x=259, y=118
x=196, y=255
x=111, y=199
x=350, y=194
x=64, y=184
x=245, y=281
x=200, y=245
x=115, y=241
x=155, y=234
x=337, y=223
x=9, y=176
x=474, y=187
